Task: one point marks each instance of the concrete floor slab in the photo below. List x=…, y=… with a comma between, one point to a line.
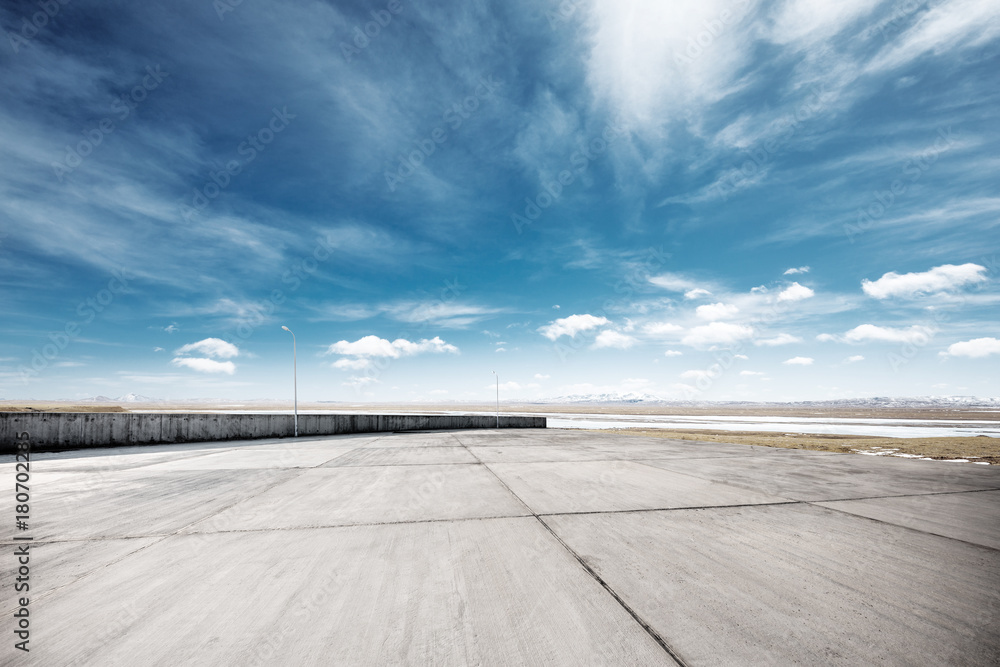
x=359, y=495
x=972, y=516
x=602, y=486
x=76, y=505
x=420, y=439
x=58, y=564
x=464, y=593
x=273, y=566
x=271, y=457
x=841, y=476
x=389, y=456
x=795, y=584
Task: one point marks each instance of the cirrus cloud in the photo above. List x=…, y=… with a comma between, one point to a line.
x=799, y=361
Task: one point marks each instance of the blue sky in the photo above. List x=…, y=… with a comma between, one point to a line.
x=697, y=200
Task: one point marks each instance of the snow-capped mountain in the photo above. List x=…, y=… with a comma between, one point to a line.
x=137, y=398
x=940, y=402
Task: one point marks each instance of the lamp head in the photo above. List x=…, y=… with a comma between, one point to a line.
x=286, y=329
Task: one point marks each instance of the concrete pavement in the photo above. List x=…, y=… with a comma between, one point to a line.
x=502, y=548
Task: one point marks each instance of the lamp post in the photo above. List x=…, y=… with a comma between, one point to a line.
x=498, y=397
x=295, y=380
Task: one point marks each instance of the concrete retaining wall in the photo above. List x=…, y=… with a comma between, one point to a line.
x=52, y=431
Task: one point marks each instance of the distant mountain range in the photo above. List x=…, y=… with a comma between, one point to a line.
x=127, y=398
x=634, y=398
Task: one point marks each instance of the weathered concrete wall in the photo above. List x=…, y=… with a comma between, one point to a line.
x=76, y=430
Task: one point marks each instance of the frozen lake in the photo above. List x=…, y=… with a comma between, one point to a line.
x=887, y=428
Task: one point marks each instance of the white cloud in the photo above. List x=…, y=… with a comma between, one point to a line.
x=717, y=311
x=827, y=338
x=505, y=386
x=171, y=328
x=780, y=339
x=741, y=356
x=853, y=359
x=213, y=347
x=674, y=282
x=359, y=381
x=870, y=332
x=501, y=349
x=367, y=346
x=795, y=292
x=695, y=374
x=796, y=271
x=539, y=376
x=696, y=293
x=975, y=348
x=799, y=361
x=751, y=373
x=158, y=349
x=571, y=326
x=373, y=346
x=352, y=364
x=673, y=353
x=203, y=365
x=660, y=328
x=939, y=279
x=717, y=333
x=613, y=339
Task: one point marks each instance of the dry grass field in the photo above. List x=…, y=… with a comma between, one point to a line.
x=973, y=449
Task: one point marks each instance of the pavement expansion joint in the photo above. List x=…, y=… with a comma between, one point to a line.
x=589, y=570
x=900, y=526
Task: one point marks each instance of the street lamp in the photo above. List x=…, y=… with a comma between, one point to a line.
x=295, y=380
x=498, y=398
